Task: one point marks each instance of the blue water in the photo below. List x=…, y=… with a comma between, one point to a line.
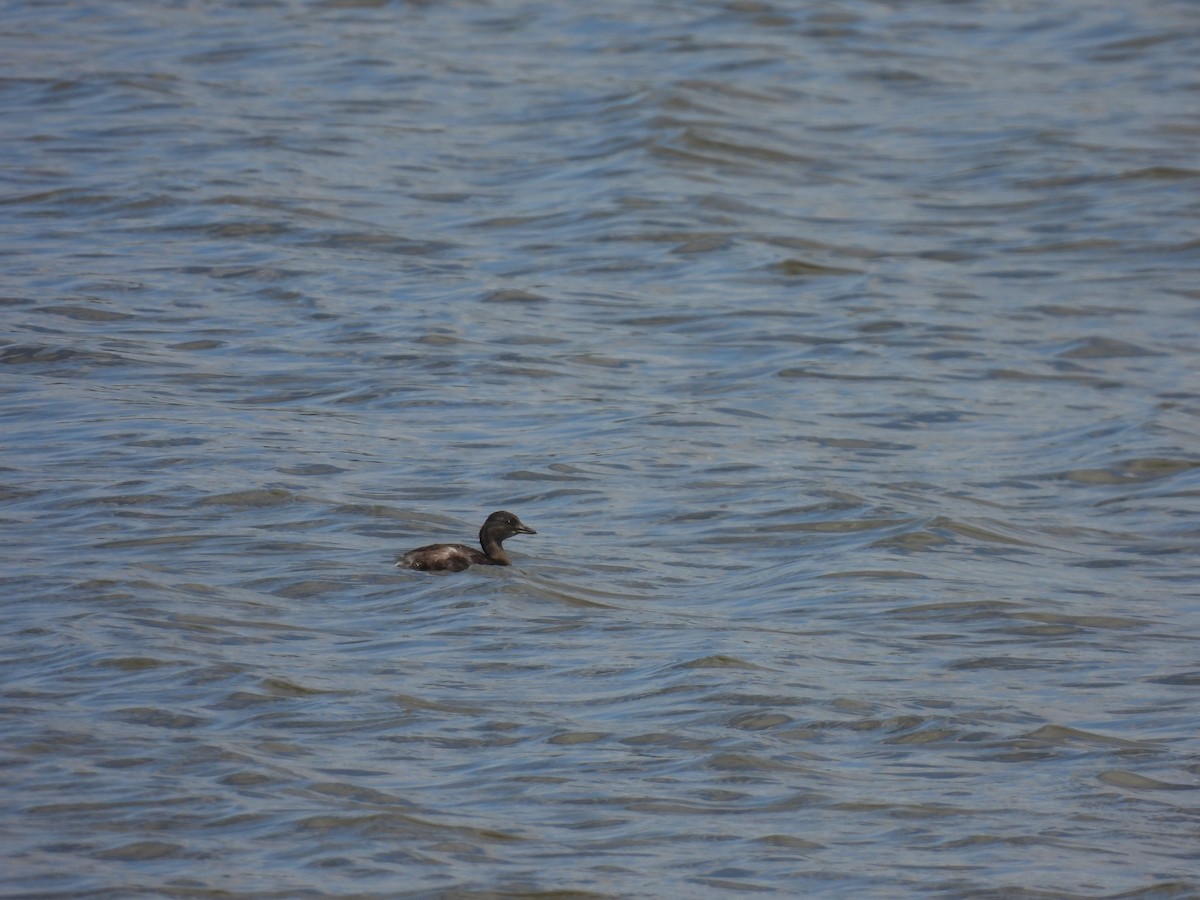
x=842, y=355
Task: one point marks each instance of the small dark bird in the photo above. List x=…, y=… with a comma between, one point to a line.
x=455, y=557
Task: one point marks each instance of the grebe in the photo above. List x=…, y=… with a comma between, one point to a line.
x=455, y=557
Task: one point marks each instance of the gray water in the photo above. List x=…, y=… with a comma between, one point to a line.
x=843, y=355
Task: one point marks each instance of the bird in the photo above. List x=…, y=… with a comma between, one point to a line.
x=498, y=527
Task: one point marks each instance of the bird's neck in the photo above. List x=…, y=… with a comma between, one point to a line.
x=494, y=551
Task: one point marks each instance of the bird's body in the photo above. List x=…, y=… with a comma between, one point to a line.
x=444, y=558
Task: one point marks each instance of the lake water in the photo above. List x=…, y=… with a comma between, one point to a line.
x=843, y=355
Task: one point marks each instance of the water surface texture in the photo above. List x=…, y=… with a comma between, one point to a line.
x=843, y=355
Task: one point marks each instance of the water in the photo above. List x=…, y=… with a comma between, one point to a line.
x=842, y=355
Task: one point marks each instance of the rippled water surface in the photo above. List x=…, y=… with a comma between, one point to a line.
x=843, y=355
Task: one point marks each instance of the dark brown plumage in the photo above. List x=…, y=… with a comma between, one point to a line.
x=499, y=527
